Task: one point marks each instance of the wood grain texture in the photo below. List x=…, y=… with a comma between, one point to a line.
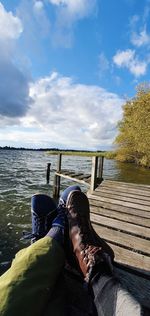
x=119, y=208
x=120, y=213
x=136, y=244
x=128, y=218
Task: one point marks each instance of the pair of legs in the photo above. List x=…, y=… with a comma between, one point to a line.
x=91, y=256
x=31, y=283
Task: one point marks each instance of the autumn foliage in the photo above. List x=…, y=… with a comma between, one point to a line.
x=133, y=140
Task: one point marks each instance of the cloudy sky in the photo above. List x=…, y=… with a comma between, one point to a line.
x=67, y=67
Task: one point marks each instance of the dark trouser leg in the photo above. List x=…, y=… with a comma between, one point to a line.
x=104, y=288
x=111, y=299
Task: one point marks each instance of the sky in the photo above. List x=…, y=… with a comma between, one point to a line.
x=66, y=69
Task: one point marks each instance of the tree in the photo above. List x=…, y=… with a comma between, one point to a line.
x=133, y=139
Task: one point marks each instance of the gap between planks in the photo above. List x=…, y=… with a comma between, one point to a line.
x=136, y=244
x=121, y=192
x=122, y=226
x=119, y=202
x=128, y=218
x=122, y=198
x=127, y=184
x=119, y=208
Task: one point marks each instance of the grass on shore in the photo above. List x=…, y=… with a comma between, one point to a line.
x=106, y=154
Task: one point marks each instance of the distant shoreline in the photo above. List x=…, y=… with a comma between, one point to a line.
x=23, y=148
x=55, y=151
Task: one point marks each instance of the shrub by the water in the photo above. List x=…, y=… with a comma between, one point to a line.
x=133, y=139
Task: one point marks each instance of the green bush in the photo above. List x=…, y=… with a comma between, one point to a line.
x=133, y=139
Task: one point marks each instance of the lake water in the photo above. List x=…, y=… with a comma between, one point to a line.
x=23, y=173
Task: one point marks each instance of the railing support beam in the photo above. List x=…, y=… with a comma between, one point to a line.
x=94, y=173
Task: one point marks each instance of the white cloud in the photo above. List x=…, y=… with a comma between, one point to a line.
x=38, y=5
x=14, y=90
x=68, y=12
x=59, y=28
x=129, y=60
x=71, y=114
x=139, y=35
x=143, y=38
x=35, y=22
x=10, y=25
x=77, y=9
x=65, y=114
x=123, y=58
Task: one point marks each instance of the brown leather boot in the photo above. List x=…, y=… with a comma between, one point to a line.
x=89, y=251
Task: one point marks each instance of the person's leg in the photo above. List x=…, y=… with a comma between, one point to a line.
x=111, y=299
x=126, y=304
x=94, y=261
x=27, y=286
x=86, y=247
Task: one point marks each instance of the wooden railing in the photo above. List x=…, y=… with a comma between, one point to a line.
x=92, y=180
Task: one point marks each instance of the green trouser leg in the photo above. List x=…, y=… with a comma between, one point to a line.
x=26, y=287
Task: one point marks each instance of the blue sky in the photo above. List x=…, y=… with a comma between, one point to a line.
x=67, y=67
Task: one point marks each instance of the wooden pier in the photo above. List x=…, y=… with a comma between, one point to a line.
x=120, y=213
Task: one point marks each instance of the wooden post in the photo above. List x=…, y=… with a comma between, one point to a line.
x=100, y=168
x=56, y=185
x=48, y=172
x=94, y=173
x=59, y=162
x=58, y=170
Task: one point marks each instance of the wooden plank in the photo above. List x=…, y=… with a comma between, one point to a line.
x=118, y=202
x=121, y=216
x=88, y=180
x=129, y=258
x=74, y=176
x=72, y=179
x=104, y=185
x=69, y=172
x=122, y=226
x=87, y=176
x=122, y=198
x=123, y=192
x=118, y=208
x=128, y=184
x=122, y=239
x=65, y=172
x=84, y=176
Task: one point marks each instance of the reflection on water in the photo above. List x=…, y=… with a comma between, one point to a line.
x=23, y=173
x=126, y=172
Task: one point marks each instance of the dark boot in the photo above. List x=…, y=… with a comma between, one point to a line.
x=43, y=212
x=90, y=253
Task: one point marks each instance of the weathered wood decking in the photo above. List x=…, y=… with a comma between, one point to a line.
x=120, y=213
